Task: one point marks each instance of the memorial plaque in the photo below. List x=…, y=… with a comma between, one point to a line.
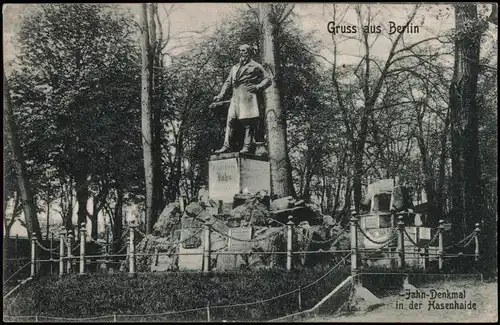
x=224, y=179
x=162, y=263
x=228, y=261
x=425, y=233
x=235, y=245
x=191, y=262
x=230, y=174
x=371, y=222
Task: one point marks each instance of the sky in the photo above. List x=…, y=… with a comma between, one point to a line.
x=311, y=17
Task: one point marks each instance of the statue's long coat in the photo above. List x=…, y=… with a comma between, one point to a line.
x=245, y=104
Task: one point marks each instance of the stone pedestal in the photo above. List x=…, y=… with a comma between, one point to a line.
x=232, y=173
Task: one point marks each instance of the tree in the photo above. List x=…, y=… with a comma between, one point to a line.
x=467, y=198
x=375, y=88
x=146, y=115
x=29, y=206
x=76, y=95
x=281, y=172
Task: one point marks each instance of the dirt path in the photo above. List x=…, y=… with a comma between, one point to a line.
x=484, y=295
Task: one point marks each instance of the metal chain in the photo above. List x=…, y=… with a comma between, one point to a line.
x=392, y=235
x=177, y=242
x=469, y=236
x=436, y=235
x=140, y=232
x=122, y=236
x=53, y=250
x=249, y=240
x=189, y=237
x=96, y=242
x=422, y=246
x=470, y=241
x=121, y=250
x=342, y=231
x=411, y=239
x=74, y=249
x=373, y=240
x=22, y=267
x=204, y=308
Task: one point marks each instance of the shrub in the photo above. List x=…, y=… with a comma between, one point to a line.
x=154, y=293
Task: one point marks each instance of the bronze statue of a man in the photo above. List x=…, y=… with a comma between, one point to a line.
x=247, y=80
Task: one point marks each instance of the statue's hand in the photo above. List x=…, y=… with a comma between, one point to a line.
x=252, y=88
x=217, y=99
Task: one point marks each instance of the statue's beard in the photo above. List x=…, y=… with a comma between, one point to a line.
x=243, y=59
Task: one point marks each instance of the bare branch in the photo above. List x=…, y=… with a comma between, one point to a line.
x=253, y=10
x=286, y=12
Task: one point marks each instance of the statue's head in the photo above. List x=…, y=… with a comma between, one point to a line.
x=246, y=52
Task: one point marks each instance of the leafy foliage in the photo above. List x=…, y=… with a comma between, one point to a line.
x=76, y=98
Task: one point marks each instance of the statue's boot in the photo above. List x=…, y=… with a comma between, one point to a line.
x=224, y=149
x=248, y=142
x=227, y=138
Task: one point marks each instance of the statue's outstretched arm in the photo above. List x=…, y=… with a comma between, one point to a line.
x=226, y=86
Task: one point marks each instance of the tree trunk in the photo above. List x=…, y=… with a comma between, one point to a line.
x=15, y=213
x=146, y=117
x=82, y=197
x=281, y=174
x=155, y=59
x=98, y=203
x=118, y=221
x=358, y=166
x=18, y=161
x=94, y=221
x=68, y=213
x=440, y=195
x=466, y=169
x=347, y=198
x=427, y=169
x=48, y=218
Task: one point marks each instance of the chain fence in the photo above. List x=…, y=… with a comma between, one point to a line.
x=434, y=238
x=207, y=309
x=378, y=242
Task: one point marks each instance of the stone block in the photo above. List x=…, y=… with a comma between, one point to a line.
x=234, y=173
x=229, y=261
x=191, y=262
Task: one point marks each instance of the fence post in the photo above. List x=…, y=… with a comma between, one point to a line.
x=131, y=251
x=300, y=298
x=289, y=228
x=181, y=203
x=51, y=247
x=208, y=311
x=426, y=258
x=476, y=240
x=206, y=247
x=70, y=253
x=354, y=244
x=440, y=243
x=401, y=243
x=107, y=249
x=33, y=253
x=61, y=252
x=83, y=238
